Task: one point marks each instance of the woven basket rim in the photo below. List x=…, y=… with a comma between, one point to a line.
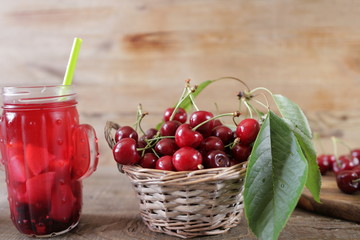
x=160, y=177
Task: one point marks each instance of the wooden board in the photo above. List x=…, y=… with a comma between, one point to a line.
x=334, y=203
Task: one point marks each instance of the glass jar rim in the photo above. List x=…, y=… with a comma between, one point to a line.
x=37, y=94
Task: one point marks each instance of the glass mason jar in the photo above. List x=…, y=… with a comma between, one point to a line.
x=46, y=153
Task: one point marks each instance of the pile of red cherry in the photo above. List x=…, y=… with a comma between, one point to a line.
x=203, y=142
x=346, y=169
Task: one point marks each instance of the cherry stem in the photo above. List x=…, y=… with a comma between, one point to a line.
x=138, y=115
x=234, y=114
x=356, y=180
x=191, y=96
x=248, y=108
x=236, y=141
x=255, y=110
x=318, y=140
x=155, y=153
x=217, y=107
x=333, y=139
x=151, y=142
x=233, y=119
x=233, y=78
x=261, y=88
x=261, y=104
x=343, y=143
x=139, y=124
x=186, y=93
x=240, y=105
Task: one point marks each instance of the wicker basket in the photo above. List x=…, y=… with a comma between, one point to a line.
x=186, y=204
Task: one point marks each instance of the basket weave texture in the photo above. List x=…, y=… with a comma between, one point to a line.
x=186, y=204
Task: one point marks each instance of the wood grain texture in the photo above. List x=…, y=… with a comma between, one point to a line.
x=141, y=52
x=334, y=203
x=110, y=211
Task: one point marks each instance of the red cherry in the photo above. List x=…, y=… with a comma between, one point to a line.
x=355, y=153
x=149, y=134
x=217, y=123
x=232, y=162
x=126, y=132
x=324, y=163
x=224, y=133
x=185, y=136
x=357, y=170
x=247, y=130
x=148, y=160
x=345, y=181
x=355, y=161
x=142, y=144
x=343, y=164
x=331, y=159
x=166, y=146
x=169, y=128
x=125, y=152
x=216, y=158
x=201, y=116
x=165, y=163
x=186, y=159
x=211, y=143
x=241, y=152
x=180, y=115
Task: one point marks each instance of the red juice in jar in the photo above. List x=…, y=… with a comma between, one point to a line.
x=46, y=154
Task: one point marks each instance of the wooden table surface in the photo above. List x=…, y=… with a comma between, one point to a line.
x=110, y=211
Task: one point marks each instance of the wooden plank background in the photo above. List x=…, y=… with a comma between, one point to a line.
x=141, y=52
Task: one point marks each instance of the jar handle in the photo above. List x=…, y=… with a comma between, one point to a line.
x=86, y=152
x=2, y=143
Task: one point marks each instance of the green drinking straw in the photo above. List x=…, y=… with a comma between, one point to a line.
x=72, y=61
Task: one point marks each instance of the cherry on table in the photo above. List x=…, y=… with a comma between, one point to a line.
x=247, y=130
x=355, y=153
x=169, y=128
x=345, y=181
x=216, y=159
x=324, y=163
x=201, y=116
x=148, y=160
x=224, y=133
x=185, y=136
x=165, y=163
x=166, y=146
x=126, y=132
x=180, y=115
x=125, y=152
x=344, y=163
x=187, y=159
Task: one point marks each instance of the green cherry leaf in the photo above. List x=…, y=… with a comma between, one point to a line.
x=298, y=123
x=275, y=178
